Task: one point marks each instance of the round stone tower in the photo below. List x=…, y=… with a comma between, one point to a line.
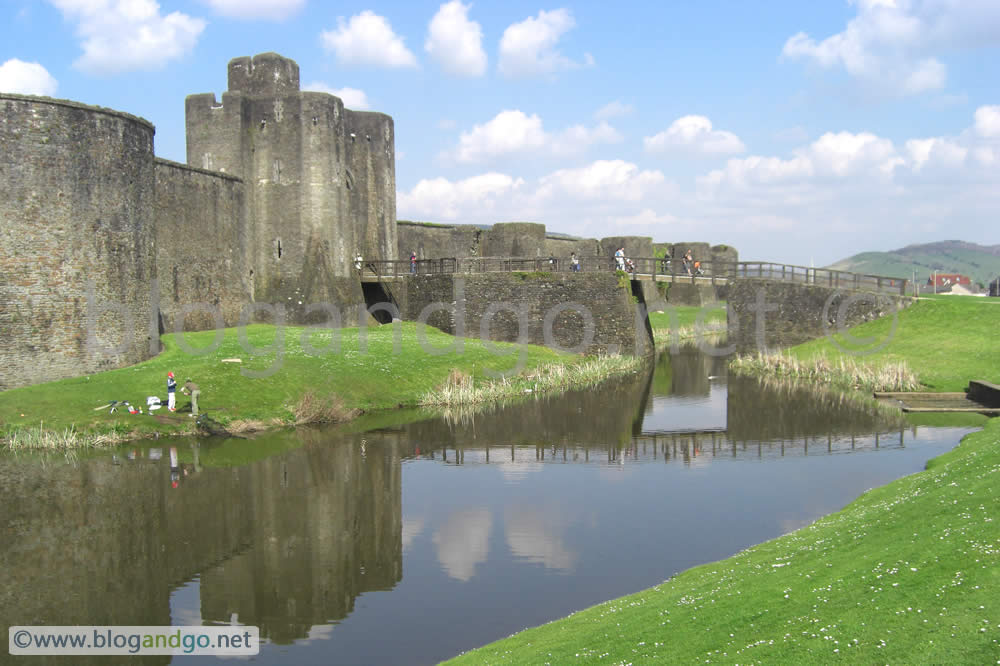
x=77, y=258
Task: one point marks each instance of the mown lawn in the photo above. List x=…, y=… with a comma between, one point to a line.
x=685, y=316
x=945, y=340
x=908, y=573
x=277, y=369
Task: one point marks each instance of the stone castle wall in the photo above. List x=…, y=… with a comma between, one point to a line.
x=490, y=296
x=563, y=247
x=320, y=178
x=795, y=312
x=203, y=248
x=78, y=255
x=514, y=239
x=282, y=189
x=433, y=241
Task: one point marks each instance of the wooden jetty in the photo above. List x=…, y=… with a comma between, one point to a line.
x=981, y=397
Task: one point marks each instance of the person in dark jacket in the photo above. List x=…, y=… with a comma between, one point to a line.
x=190, y=388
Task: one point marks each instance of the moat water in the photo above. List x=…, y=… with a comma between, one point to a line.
x=408, y=538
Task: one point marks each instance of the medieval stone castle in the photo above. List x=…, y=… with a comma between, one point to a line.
x=105, y=246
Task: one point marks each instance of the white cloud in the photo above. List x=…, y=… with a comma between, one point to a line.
x=935, y=151
x=988, y=121
x=833, y=155
x=126, y=35
x=515, y=132
x=463, y=542
x=603, y=180
x=508, y=132
x=614, y=109
x=411, y=529
x=538, y=537
x=576, y=139
x=528, y=48
x=441, y=199
x=694, y=134
x=589, y=194
x=26, y=78
x=275, y=10
x=367, y=39
x=845, y=192
x=831, y=197
x=455, y=42
x=351, y=97
x=891, y=44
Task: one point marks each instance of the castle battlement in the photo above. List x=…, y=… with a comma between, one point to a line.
x=264, y=75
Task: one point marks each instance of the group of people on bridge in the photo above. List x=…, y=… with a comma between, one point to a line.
x=622, y=263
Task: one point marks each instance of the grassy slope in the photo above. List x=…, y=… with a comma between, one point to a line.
x=907, y=573
x=378, y=379
x=838, y=573
x=946, y=340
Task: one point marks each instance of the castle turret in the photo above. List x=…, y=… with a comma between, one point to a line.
x=264, y=75
x=320, y=179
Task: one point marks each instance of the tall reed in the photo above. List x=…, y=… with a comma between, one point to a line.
x=68, y=438
x=710, y=330
x=842, y=372
x=461, y=389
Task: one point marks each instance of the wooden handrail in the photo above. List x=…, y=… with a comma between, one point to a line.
x=654, y=266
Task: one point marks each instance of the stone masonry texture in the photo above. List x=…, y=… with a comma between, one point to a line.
x=282, y=189
x=493, y=297
x=78, y=255
x=798, y=312
x=105, y=246
x=320, y=179
x=203, y=248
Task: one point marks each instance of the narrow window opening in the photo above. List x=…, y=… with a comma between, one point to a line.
x=279, y=248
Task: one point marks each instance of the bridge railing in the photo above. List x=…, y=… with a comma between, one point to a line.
x=678, y=270
x=825, y=277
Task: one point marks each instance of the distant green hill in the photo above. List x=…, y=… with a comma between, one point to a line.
x=979, y=262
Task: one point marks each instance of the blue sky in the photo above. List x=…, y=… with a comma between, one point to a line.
x=796, y=131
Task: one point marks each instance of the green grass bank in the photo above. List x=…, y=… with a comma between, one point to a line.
x=684, y=322
x=285, y=376
x=907, y=573
x=943, y=340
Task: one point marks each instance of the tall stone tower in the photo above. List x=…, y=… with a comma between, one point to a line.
x=77, y=251
x=320, y=179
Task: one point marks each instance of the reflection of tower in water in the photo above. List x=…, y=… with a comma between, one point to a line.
x=283, y=543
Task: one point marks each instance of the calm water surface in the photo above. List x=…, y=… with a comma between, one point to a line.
x=411, y=543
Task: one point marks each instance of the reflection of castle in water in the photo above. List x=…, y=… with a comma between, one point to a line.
x=623, y=422
x=284, y=543
x=289, y=541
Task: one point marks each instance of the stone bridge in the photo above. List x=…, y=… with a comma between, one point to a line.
x=769, y=304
